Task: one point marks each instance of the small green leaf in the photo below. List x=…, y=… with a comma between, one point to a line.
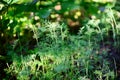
x=44, y=13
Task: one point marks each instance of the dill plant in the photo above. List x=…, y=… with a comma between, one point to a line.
x=59, y=55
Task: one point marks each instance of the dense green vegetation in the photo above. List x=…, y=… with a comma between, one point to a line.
x=59, y=40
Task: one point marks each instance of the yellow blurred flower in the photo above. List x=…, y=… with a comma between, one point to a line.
x=78, y=13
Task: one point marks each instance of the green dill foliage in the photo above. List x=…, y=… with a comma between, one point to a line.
x=61, y=56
